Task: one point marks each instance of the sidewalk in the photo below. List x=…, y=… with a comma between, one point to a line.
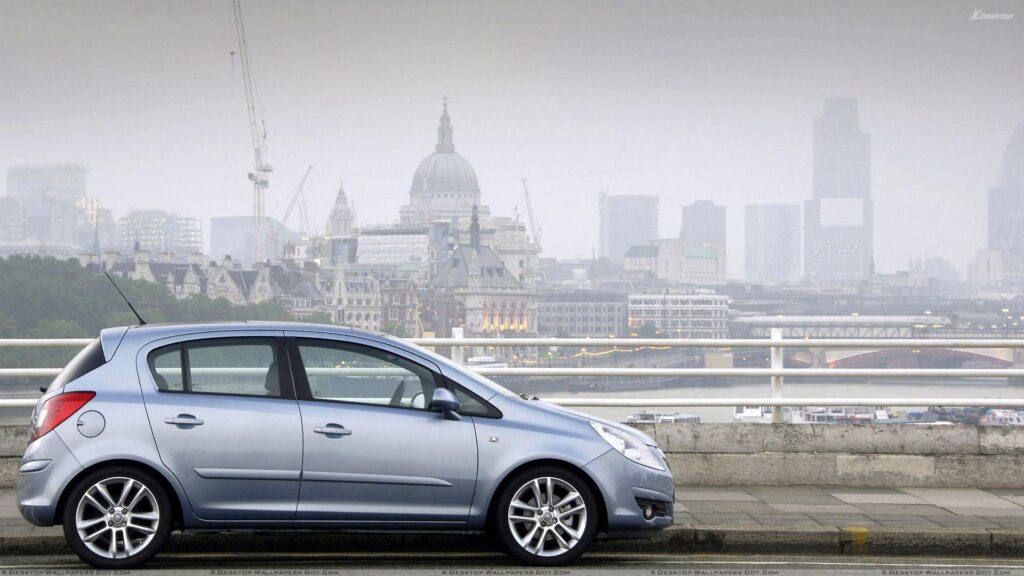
x=842, y=507
x=742, y=519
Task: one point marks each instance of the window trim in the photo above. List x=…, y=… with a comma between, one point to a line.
x=301, y=379
x=493, y=413
x=284, y=373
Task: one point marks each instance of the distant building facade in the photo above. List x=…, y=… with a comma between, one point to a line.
x=65, y=181
x=625, y=220
x=581, y=313
x=474, y=290
x=772, y=242
x=400, y=307
x=160, y=232
x=675, y=262
x=697, y=314
x=47, y=212
x=703, y=223
x=838, y=219
x=234, y=236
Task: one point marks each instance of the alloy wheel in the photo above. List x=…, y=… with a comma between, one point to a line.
x=117, y=517
x=547, y=516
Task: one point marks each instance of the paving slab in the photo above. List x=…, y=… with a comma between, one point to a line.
x=961, y=498
x=873, y=510
x=716, y=495
x=971, y=511
x=878, y=498
x=818, y=508
x=697, y=506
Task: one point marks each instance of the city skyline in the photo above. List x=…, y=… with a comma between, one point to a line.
x=182, y=142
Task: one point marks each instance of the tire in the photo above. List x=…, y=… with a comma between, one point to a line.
x=133, y=522
x=546, y=535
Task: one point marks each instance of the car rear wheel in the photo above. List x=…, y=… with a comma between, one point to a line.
x=546, y=517
x=117, y=517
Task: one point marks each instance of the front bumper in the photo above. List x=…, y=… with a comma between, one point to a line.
x=625, y=485
x=45, y=470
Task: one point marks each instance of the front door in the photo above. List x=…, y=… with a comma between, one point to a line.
x=226, y=423
x=372, y=450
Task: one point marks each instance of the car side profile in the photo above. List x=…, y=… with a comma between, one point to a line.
x=259, y=425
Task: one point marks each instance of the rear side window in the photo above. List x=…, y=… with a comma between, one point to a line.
x=165, y=364
x=90, y=358
x=235, y=366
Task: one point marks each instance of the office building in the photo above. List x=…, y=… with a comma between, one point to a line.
x=772, y=242
x=625, y=220
x=838, y=219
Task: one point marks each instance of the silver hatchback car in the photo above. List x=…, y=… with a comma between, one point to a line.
x=297, y=426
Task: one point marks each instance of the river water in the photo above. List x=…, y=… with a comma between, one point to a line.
x=939, y=388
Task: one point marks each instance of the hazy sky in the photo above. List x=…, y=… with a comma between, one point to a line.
x=688, y=100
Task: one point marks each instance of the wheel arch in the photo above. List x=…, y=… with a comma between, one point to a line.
x=602, y=507
x=177, y=509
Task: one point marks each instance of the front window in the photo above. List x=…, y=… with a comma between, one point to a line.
x=345, y=372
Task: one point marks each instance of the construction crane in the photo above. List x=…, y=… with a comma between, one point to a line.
x=299, y=199
x=534, y=229
x=258, y=134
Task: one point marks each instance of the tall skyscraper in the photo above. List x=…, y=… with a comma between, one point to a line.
x=625, y=220
x=838, y=219
x=1006, y=215
x=63, y=181
x=772, y=241
x=1006, y=200
x=444, y=185
x=703, y=223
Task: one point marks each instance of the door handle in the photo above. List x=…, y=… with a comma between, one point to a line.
x=332, y=430
x=184, y=420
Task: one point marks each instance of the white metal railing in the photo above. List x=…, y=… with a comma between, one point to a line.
x=776, y=372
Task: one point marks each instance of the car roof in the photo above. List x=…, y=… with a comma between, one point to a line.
x=153, y=331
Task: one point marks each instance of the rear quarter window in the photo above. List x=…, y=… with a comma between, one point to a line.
x=90, y=358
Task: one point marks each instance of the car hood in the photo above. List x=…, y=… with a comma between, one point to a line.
x=556, y=409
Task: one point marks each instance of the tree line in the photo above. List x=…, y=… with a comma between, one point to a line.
x=50, y=298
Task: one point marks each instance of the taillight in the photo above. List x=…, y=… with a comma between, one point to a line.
x=58, y=409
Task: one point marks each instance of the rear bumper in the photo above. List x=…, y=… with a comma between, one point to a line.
x=45, y=469
x=625, y=484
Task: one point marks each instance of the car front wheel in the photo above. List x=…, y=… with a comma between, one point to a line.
x=546, y=517
x=117, y=518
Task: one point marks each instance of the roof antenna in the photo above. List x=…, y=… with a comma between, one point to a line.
x=141, y=321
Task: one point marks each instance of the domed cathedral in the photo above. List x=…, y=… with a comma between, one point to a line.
x=444, y=186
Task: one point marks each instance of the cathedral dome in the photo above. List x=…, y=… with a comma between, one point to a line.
x=444, y=186
x=444, y=170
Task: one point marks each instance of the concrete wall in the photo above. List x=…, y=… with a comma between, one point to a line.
x=844, y=454
x=13, y=440
x=788, y=454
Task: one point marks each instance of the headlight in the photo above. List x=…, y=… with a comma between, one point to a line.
x=628, y=446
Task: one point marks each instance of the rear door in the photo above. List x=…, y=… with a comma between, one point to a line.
x=223, y=412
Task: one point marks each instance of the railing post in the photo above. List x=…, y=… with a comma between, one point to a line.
x=458, y=333
x=778, y=362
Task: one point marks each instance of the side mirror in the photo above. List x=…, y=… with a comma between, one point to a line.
x=444, y=401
